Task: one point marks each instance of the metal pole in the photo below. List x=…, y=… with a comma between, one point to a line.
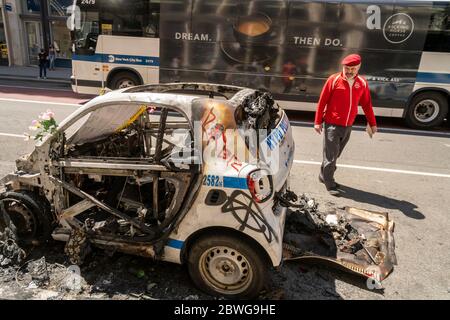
x=45, y=23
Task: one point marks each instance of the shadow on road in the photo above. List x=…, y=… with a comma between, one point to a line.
x=409, y=209
x=307, y=280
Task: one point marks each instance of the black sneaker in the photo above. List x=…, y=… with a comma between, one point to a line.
x=321, y=179
x=333, y=191
x=336, y=185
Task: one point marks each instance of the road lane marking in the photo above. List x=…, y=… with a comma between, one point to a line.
x=12, y=135
x=383, y=130
x=418, y=173
x=42, y=102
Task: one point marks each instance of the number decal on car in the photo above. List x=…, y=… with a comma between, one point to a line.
x=212, y=181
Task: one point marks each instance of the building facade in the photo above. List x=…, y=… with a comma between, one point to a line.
x=26, y=26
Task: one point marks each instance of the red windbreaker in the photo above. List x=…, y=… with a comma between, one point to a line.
x=338, y=103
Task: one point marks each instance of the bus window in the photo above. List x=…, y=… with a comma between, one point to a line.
x=86, y=37
x=438, y=36
x=135, y=18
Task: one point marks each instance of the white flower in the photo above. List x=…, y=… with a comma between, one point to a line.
x=45, y=116
x=50, y=113
x=33, y=128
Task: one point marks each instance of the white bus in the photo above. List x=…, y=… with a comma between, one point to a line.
x=288, y=47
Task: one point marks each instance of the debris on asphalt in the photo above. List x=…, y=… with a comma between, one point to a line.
x=10, y=252
x=39, y=272
x=78, y=247
x=150, y=286
x=275, y=294
x=359, y=241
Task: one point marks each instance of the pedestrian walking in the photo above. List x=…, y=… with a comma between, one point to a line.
x=337, y=110
x=51, y=57
x=43, y=60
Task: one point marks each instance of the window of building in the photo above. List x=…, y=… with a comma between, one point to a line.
x=61, y=39
x=3, y=46
x=59, y=7
x=31, y=6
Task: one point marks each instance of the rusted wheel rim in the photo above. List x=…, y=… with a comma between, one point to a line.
x=226, y=269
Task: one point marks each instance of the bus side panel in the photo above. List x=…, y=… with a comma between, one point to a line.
x=131, y=53
x=87, y=72
x=298, y=46
x=434, y=71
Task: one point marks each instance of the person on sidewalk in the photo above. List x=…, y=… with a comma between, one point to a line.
x=43, y=60
x=51, y=57
x=337, y=108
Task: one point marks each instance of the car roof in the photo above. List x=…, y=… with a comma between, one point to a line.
x=179, y=96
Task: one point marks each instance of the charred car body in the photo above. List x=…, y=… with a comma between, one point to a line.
x=154, y=171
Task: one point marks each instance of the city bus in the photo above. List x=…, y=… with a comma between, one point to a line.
x=289, y=47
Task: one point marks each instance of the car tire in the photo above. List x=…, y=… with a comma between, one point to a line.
x=124, y=80
x=427, y=110
x=30, y=215
x=227, y=266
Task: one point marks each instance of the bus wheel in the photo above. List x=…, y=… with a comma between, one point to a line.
x=228, y=266
x=124, y=80
x=427, y=110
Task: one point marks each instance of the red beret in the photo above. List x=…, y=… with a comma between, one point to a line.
x=351, y=60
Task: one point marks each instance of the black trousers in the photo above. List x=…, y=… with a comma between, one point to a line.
x=43, y=70
x=334, y=141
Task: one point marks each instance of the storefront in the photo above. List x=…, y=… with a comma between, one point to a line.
x=4, y=61
x=44, y=23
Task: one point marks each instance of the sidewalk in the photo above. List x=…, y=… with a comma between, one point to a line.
x=31, y=73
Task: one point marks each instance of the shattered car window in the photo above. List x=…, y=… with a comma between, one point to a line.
x=105, y=121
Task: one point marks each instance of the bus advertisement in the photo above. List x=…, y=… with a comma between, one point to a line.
x=288, y=47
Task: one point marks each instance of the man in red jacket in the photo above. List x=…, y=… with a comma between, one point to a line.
x=338, y=107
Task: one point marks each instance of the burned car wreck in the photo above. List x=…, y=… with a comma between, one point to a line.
x=162, y=171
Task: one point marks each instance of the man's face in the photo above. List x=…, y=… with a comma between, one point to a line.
x=351, y=72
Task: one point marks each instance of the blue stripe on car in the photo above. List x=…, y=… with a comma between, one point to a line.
x=118, y=59
x=234, y=182
x=177, y=244
x=433, y=77
x=277, y=135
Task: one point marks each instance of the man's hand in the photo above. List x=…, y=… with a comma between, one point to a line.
x=318, y=128
x=374, y=130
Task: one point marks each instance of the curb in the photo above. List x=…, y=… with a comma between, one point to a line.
x=53, y=80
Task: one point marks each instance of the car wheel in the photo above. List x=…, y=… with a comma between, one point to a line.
x=427, y=110
x=28, y=213
x=228, y=266
x=124, y=80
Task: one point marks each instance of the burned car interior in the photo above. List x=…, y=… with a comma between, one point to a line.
x=129, y=173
